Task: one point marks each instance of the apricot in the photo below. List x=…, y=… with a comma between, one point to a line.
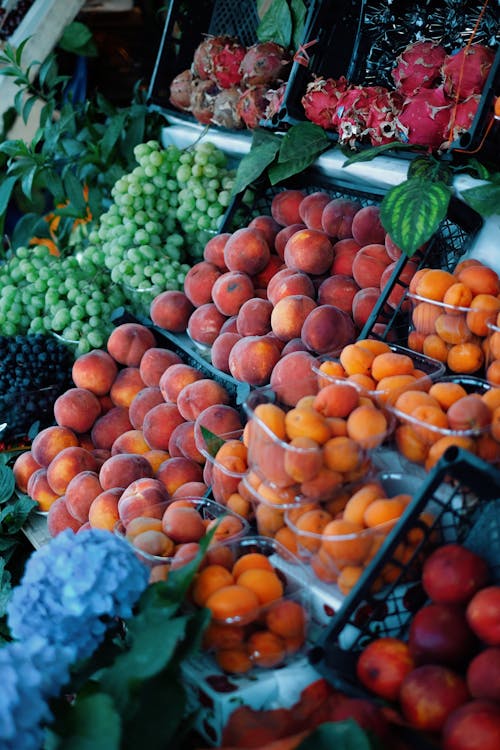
x=434, y=284
x=199, y=281
x=233, y=603
x=465, y=358
x=469, y=413
x=128, y=342
x=346, y=542
x=479, y=278
x=424, y=316
x=336, y=400
x=94, y=371
x=154, y=362
x=171, y=310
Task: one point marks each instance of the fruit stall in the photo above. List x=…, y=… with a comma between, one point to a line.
x=250, y=383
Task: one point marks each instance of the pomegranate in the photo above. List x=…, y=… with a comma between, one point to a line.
x=466, y=71
x=180, y=90
x=264, y=62
x=202, y=100
x=418, y=66
x=424, y=118
x=321, y=98
x=252, y=105
x=225, y=112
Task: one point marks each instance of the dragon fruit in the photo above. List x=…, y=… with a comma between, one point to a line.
x=418, y=66
x=381, y=122
x=218, y=58
x=180, y=90
x=353, y=108
x=466, y=71
x=462, y=117
x=425, y=117
x=226, y=109
x=202, y=100
x=275, y=99
x=252, y=105
x=264, y=62
x=321, y=99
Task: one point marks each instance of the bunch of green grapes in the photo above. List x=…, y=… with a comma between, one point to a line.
x=161, y=217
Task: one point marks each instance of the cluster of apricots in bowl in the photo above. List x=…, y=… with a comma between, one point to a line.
x=450, y=313
x=303, y=279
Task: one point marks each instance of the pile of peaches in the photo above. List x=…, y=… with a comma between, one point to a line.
x=305, y=278
x=444, y=677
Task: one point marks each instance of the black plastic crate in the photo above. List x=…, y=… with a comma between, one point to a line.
x=360, y=39
x=462, y=493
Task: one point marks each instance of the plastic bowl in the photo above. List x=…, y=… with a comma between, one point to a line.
x=492, y=364
x=261, y=613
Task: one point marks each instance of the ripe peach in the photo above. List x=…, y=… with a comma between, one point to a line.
x=483, y=674
x=182, y=443
x=284, y=235
x=40, y=490
x=311, y=209
x=142, y=402
x=439, y=634
x=131, y=441
x=344, y=252
x=196, y=396
x=310, y=251
x=128, y=342
x=144, y=497
x=126, y=386
x=366, y=226
x=178, y=470
x=369, y=264
x=24, y=466
x=429, y=694
x=213, y=252
x=59, y=518
x=363, y=303
x=103, y=513
x=175, y=378
x=252, y=359
x=469, y=412
x=230, y=291
x=261, y=280
x=476, y=724
x=289, y=282
x=267, y=225
x=154, y=362
x=159, y=423
x=483, y=615
x=67, y=464
x=190, y=489
x=80, y=493
x=199, y=281
x=289, y=314
x=254, y=317
x=294, y=345
x=382, y=666
x=397, y=292
x=123, y=469
x=293, y=377
x=220, y=419
x=327, y=329
x=246, y=251
x=183, y=525
x=109, y=426
x=221, y=349
x=77, y=409
x=171, y=310
x=50, y=441
x=337, y=217
x=338, y=290
x=285, y=207
x=452, y=574
x=94, y=371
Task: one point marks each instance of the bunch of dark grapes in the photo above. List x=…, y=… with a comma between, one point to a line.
x=35, y=369
x=10, y=23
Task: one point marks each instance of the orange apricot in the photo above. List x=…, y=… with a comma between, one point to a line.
x=440, y=446
x=383, y=511
x=307, y=423
x=458, y=295
x=265, y=584
x=266, y=649
x=424, y=316
x=436, y=347
x=484, y=308
x=391, y=363
x=348, y=578
x=357, y=359
x=251, y=561
x=233, y=603
x=446, y=393
x=465, y=358
x=346, y=542
x=411, y=445
x=342, y=454
x=234, y=660
x=374, y=345
x=208, y=580
x=367, y=425
x=273, y=417
x=287, y=618
x=336, y=400
x=309, y=527
x=434, y=284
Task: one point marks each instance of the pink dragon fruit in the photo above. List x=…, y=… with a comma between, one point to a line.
x=466, y=71
x=219, y=58
x=204, y=54
x=424, y=118
x=321, y=99
x=418, y=66
x=353, y=108
x=180, y=90
x=252, y=105
x=226, y=109
x=202, y=100
x=275, y=99
x=264, y=62
x=381, y=120
x=462, y=117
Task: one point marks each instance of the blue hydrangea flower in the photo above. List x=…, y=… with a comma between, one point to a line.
x=73, y=586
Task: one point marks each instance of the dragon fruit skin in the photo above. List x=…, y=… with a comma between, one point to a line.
x=264, y=62
x=352, y=111
x=202, y=100
x=252, y=105
x=466, y=71
x=464, y=115
x=381, y=122
x=226, y=65
x=275, y=98
x=226, y=109
x=418, y=66
x=321, y=99
x=424, y=118
x=180, y=90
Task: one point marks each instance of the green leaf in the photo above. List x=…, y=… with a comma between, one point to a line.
x=47, y=72
x=299, y=12
x=429, y=168
x=27, y=181
x=13, y=516
x=264, y=148
x=5, y=586
x=7, y=483
x=276, y=25
x=28, y=106
x=76, y=37
x=341, y=735
x=113, y=131
x=279, y=172
x=370, y=153
x=484, y=199
x=212, y=441
x=25, y=229
x=306, y=139
x=412, y=211
x=6, y=188
x=92, y=723
x=74, y=191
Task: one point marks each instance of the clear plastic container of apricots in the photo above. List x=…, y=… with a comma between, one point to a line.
x=457, y=410
x=453, y=334
x=492, y=347
x=258, y=595
x=339, y=547
x=308, y=452
x=169, y=534
x=226, y=456
x=379, y=370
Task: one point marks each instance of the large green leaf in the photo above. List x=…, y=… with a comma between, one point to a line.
x=304, y=139
x=484, y=199
x=299, y=12
x=263, y=150
x=77, y=38
x=14, y=515
x=6, y=188
x=276, y=25
x=370, y=153
x=341, y=735
x=7, y=483
x=412, y=211
x=429, y=168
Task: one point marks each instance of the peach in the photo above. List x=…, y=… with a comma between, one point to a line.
x=190, y=489
x=109, y=426
x=310, y=251
x=59, y=518
x=338, y=290
x=195, y=397
x=50, y=441
x=393, y=251
x=254, y=317
x=24, y=466
x=288, y=282
x=145, y=497
x=205, y=323
x=369, y=264
x=40, y=490
x=476, y=724
x=327, y=329
x=183, y=524
x=311, y=209
x=199, y=281
x=142, y=402
x=294, y=345
x=128, y=342
x=67, y=464
x=131, y=441
x=80, y=492
x=221, y=349
x=171, y=310
x=182, y=443
x=483, y=674
x=175, y=378
x=77, y=409
x=429, y=694
x=156, y=457
x=213, y=252
x=126, y=386
x=337, y=217
x=383, y=664
x=94, y=371
x=285, y=207
x=123, y=469
x=363, y=303
x=293, y=377
x=261, y=280
x=404, y=277
x=231, y=290
x=246, y=251
x=344, y=252
x=177, y=471
x=103, y=513
x=483, y=615
x=252, y=359
x=366, y=226
x=106, y=403
x=283, y=236
x=154, y=362
x=289, y=314
x=469, y=412
x=439, y=634
x=219, y=419
x=101, y=455
x=267, y=225
x=159, y=424
x=452, y=574
x=229, y=325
